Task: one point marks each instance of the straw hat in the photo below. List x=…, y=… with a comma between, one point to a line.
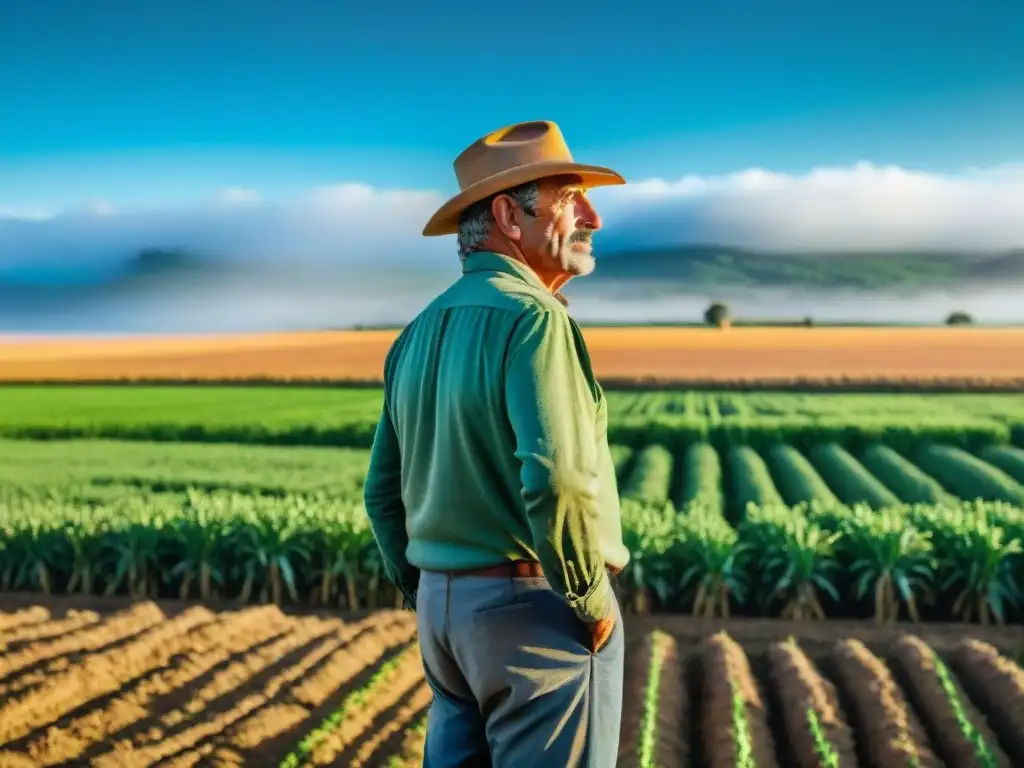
x=506, y=158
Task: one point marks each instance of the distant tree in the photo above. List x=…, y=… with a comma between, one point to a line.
x=959, y=318
x=717, y=315
x=808, y=321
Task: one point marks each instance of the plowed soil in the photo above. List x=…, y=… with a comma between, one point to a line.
x=108, y=682
x=925, y=357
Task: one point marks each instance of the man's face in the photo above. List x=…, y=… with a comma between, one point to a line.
x=558, y=238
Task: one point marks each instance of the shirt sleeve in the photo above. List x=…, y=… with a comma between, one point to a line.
x=382, y=497
x=550, y=406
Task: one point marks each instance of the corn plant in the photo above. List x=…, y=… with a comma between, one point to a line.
x=890, y=557
x=653, y=534
x=795, y=559
x=977, y=558
x=716, y=561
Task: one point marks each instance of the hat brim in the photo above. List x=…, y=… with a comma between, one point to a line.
x=446, y=220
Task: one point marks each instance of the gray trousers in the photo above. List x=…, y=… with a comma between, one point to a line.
x=514, y=680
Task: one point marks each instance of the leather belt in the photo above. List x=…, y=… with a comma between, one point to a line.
x=514, y=569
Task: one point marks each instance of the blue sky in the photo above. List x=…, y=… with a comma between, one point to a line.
x=150, y=104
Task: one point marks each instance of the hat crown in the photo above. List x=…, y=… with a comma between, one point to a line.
x=513, y=146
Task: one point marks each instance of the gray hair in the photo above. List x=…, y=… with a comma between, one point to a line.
x=475, y=222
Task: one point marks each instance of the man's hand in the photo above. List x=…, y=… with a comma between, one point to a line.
x=600, y=631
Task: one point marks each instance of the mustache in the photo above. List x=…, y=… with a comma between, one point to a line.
x=582, y=236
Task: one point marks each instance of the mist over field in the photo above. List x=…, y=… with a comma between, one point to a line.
x=856, y=244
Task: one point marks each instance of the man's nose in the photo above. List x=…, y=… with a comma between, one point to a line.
x=588, y=214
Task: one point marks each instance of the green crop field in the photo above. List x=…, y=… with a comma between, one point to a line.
x=347, y=416
x=837, y=512
x=69, y=503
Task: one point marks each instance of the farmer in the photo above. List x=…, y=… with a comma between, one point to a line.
x=491, y=489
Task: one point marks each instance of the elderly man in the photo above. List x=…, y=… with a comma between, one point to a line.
x=491, y=489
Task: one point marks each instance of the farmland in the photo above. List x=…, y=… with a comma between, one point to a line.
x=912, y=358
x=187, y=577
x=115, y=683
x=337, y=416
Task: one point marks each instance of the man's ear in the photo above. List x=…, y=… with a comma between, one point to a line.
x=506, y=217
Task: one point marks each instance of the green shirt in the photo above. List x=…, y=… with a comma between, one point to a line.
x=492, y=445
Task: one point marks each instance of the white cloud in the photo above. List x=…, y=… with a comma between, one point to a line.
x=238, y=196
x=101, y=208
x=25, y=214
x=858, y=207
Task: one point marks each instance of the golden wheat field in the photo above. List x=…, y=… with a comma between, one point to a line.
x=663, y=355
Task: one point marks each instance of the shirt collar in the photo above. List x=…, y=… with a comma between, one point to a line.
x=489, y=261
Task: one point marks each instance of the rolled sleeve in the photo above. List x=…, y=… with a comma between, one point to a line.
x=551, y=408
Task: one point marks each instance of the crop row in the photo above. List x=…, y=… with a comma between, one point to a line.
x=877, y=475
x=726, y=405
x=347, y=417
x=826, y=474
x=812, y=561
x=899, y=705
x=655, y=703
x=803, y=561
x=98, y=465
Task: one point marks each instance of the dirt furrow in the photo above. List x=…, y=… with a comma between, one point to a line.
x=996, y=685
x=200, y=650
x=226, y=681
x=893, y=736
x=375, y=750
x=236, y=679
x=733, y=735
x=674, y=706
x=957, y=730
x=410, y=752
x=360, y=708
x=33, y=633
x=35, y=614
x=377, y=709
x=118, y=627
x=659, y=694
x=27, y=633
x=273, y=721
x=344, y=665
x=634, y=695
x=802, y=694
x=186, y=760
x=356, y=650
x=96, y=675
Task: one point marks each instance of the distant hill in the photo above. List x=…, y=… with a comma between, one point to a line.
x=684, y=268
x=710, y=266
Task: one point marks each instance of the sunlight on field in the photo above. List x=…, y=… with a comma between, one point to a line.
x=667, y=354
x=205, y=589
